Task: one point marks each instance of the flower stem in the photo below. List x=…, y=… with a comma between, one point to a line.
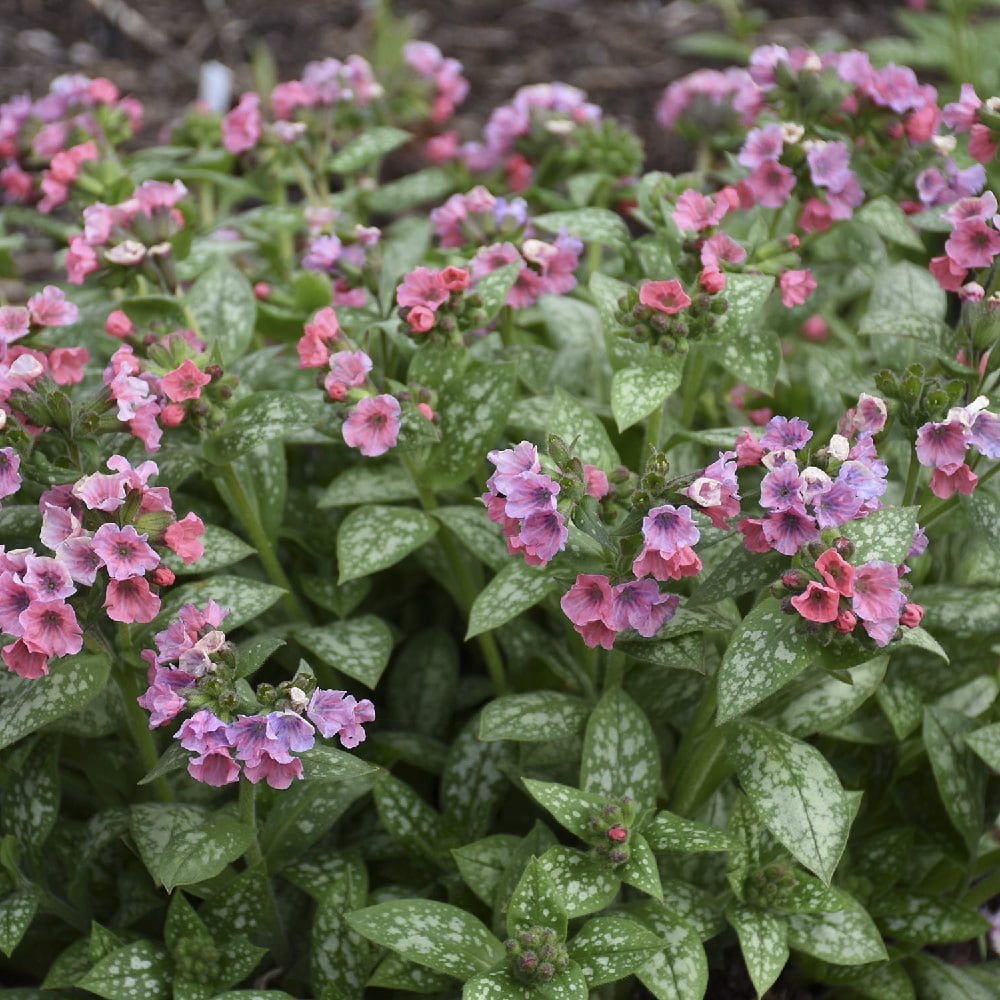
x=243, y=508
x=694, y=370
x=910, y=490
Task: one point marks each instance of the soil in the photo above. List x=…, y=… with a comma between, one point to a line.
x=622, y=52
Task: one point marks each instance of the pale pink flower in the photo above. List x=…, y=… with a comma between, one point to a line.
x=373, y=425
x=588, y=600
x=182, y=538
x=125, y=552
x=50, y=308
x=184, y=382
x=796, y=287
x=131, y=600
x=51, y=628
x=972, y=244
x=664, y=296
x=241, y=126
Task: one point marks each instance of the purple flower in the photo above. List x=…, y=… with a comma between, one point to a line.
x=530, y=493
x=781, y=487
x=668, y=528
x=788, y=530
x=780, y=432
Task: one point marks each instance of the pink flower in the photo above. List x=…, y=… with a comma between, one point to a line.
x=336, y=713
x=836, y=572
x=588, y=600
x=541, y=536
x=949, y=479
x=661, y=566
x=420, y=318
x=131, y=600
x=664, y=296
x=10, y=475
x=817, y=603
x=422, y=287
x=182, y=538
x=66, y=364
x=184, y=382
x=788, y=530
x=911, y=615
x=876, y=592
x=782, y=432
x=47, y=579
x=972, y=244
x=50, y=308
x=51, y=628
x=595, y=482
x=241, y=126
x=949, y=275
x=640, y=605
x=771, y=184
x=125, y=552
x=23, y=662
x=373, y=425
x=796, y=287
x=942, y=444
x=697, y=212
x=668, y=528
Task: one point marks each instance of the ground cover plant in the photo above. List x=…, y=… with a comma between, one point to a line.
x=489, y=566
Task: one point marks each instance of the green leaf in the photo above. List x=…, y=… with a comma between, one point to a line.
x=534, y=716
x=473, y=781
x=326, y=872
x=483, y=862
x=359, y=647
x=477, y=533
x=908, y=288
x=473, y=413
x=984, y=512
x=845, y=935
x=610, y=948
x=438, y=935
x=795, y=792
x=137, y=971
x=694, y=905
x=592, y=225
x=938, y=980
x=965, y=611
x=341, y=958
x=70, y=684
x=571, y=807
x=498, y=986
x=374, y=143
x=396, y=973
x=493, y=288
x=182, y=845
x=607, y=291
x=246, y=599
x=669, y=832
x=738, y=572
x=536, y=902
x=884, y=534
x=582, y=430
x=680, y=970
x=374, y=537
x=986, y=744
x=369, y=483
x=17, y=910
x=763, y=943
x=569, y=984
x=411, y=822
x=424, y=680
x=620, y=753
x=746, y=294
x=637, y=391
x=763, y=655
x=922, y=919
x=890, y=222
x=31, y=795
x=960, y=779
x=753, y=354
x=268, y=415
x=420, y=188
x=514, y=589
x=640, y=870
x=585, y=883
x=224, y=309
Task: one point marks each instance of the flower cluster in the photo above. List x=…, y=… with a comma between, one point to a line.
x=60, y=130
x=941, y=446
x=972, y=244
x=134, y=234
x=107, y=524
x=522, y=500
x=445, y=75
x=800, y=494
x=846, y=596
x=194, y=667
x=340, y=251
x=431, y=302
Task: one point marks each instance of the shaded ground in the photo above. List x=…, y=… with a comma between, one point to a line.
x=620, y=51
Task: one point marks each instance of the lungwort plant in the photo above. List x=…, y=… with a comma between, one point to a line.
x=476, y=566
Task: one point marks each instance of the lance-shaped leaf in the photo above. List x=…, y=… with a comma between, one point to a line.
x=753, y=355
x=884, y=534
x=473, y=413
x=586, y=884
x=32, y=793
x=268, y=415
x=960, y=778
x=763, y=943
x=640, y=389
x=534, y=716
x=514, y=589
x=482, y=863
x=137, y=971
x=17, y=910
x=498, y=986
x=986, y=743
x=764, y=654
x=593, y=225
x=424, y=680
x=582, y=430
x=358, y=647
x=376, y=536
x=245, y=598
x=641, y=870
x=30, y=703
x=572, y=808
x=477, y=533
x=397, y=973
x=181, y=845
x=669, y=832
x=923, y=919
x=844, y=936
x=424, y=187
x=536, y=902
x=938, y=980
x=610, y=948
x=341, y=958
x=493, y=288
x=410, y=821
x=224, y=309
x=737, y=572
x=380, y=483
x=438, y=935
x=680, y=970
x=473, y=781
x=365, y=149
x=222, y=548
x=620, y=753
x=795, y=792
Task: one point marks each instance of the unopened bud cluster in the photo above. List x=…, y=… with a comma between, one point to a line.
x=769, y=887
x=611, y=829
x=537, y=955
x=196, y=960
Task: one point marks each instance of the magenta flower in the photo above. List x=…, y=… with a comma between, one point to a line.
x=788, y=530
x=836, y=572
x=184, y=382
x=781, y=432
x=796, y=287
x=941, y=444
x=664, y=296
x=241, y=126
x=972, y=244
x=373, y=425
x=125, y=552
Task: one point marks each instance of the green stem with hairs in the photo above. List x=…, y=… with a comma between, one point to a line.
x=694, y=371
x=260, y=540
x=910, y=489
x=485, y=641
